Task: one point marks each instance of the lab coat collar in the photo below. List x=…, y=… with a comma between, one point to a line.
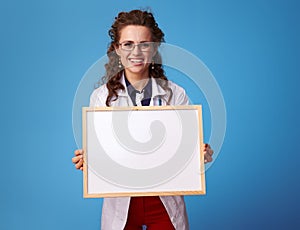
x=157, y=90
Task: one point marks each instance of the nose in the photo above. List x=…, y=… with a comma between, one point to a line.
x=136, y=49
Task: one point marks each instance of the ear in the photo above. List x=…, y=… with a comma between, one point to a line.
x=117, y=49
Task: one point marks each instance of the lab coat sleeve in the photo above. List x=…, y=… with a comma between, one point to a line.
x=98, y=97
x=179, y=95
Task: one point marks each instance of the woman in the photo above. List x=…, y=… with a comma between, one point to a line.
x=134, y=76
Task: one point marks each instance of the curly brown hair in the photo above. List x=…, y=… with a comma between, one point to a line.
x=113, y=72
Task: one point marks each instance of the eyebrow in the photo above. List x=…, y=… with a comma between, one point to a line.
x=133, y=41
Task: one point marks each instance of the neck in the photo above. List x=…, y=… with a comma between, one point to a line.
x=138, y=81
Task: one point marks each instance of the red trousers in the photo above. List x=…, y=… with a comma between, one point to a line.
x=147, y=213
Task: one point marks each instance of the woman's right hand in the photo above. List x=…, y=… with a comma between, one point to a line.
x=78, y=159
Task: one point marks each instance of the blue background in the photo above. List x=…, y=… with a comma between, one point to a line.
x=251, y=47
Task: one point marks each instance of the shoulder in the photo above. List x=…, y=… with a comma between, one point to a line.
x=175, y=88
x=179, y=96
x=98, y=96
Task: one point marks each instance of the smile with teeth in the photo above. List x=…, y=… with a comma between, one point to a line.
x=136, y=60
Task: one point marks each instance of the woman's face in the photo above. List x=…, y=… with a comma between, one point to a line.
x=135, y=51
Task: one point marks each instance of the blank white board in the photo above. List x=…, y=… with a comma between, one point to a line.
x=143, y=151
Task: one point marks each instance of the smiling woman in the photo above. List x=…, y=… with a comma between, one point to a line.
x=131, y=29
x=135, y=76
x=135, y=54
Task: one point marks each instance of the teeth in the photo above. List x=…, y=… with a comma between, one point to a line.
x=137, y=60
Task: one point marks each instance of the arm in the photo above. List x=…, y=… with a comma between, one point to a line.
x=96, y=99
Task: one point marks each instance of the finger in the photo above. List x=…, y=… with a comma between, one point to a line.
x=78, y=152
x=207, y=161
x=210, y=152
x=79, y=164
x=206, y=146
x=208, y=149
x=207, y=158
x=76, y=159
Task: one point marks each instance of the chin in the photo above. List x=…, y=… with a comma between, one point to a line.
x=137, y=69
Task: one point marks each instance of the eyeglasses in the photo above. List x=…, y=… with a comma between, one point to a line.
x=143, y=46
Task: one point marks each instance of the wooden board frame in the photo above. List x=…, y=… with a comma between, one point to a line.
x=87, y=181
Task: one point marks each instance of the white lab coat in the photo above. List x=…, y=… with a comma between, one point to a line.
x=114, y=211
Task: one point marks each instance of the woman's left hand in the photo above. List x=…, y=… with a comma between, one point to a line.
x=208, y=152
